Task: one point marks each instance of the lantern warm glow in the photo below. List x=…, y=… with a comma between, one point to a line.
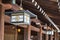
x=19, y=30
x=21, y=8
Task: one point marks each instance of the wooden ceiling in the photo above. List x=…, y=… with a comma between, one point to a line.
x=49, y=6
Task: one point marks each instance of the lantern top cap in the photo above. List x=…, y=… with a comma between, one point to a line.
x=22, y=11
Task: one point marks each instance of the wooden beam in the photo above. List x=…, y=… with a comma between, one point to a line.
x=37, y=21
x=47, y=4
x=0, y=1
x=1, y=22
x=40, y=30
x=34, y=29
x=54, y=0
x=27, y=33
x=10, y=6
x=7, y=20
x=16, y=7
x=49, y=28
x=50, y=11
x=6, y=6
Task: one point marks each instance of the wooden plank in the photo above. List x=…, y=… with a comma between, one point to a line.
x=0, y=0
x=40, y=33
x=35, y=20
x=35, y=29
x=1, y=22
x=47, y=34
x=51, y=37
x=27, y=33
x=10, y=6
x=6, y=19
x=16, y=34
x=55, y=36
x=6, y=6
x=54, y=0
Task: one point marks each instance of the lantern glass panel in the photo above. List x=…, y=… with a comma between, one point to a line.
x=21, y=17
x=17, y=18
x=27, y=18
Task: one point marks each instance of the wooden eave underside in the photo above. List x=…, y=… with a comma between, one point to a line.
x=51, y=8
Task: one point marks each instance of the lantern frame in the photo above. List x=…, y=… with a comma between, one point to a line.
x=22, y=13
x=31, y=15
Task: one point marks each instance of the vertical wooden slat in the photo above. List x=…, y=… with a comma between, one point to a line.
x=1, y=22
x=0, y=0
x=47, y=34
x=55, y=35
x=27, y=33
x=51, y=35
x=16, y=34
x=40, y=33
x=58, y=36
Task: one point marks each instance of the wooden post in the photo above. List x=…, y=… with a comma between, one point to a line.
x=16, y=34
x=0, y=0
x=51, y=35
x=58, y=36
x=40, y=33
x=27, y=33
x=1, y=22
x=46, y=32
x=55, y=36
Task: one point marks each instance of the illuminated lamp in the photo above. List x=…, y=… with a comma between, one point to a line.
x=18, y=30
x=21, y=17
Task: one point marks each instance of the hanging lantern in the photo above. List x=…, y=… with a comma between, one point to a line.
x=21, y=17
x=50, y=32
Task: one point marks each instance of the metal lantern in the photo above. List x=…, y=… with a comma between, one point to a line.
x=50, y=32
x=21, y=17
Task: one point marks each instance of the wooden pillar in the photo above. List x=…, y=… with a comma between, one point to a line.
x=40, y=33
x=55, y=35
x=58, y=36
x=27, y=33
x=1, y=23
x=16, y=34
x=0, y=0
x=51, y=37
x=46, y=32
